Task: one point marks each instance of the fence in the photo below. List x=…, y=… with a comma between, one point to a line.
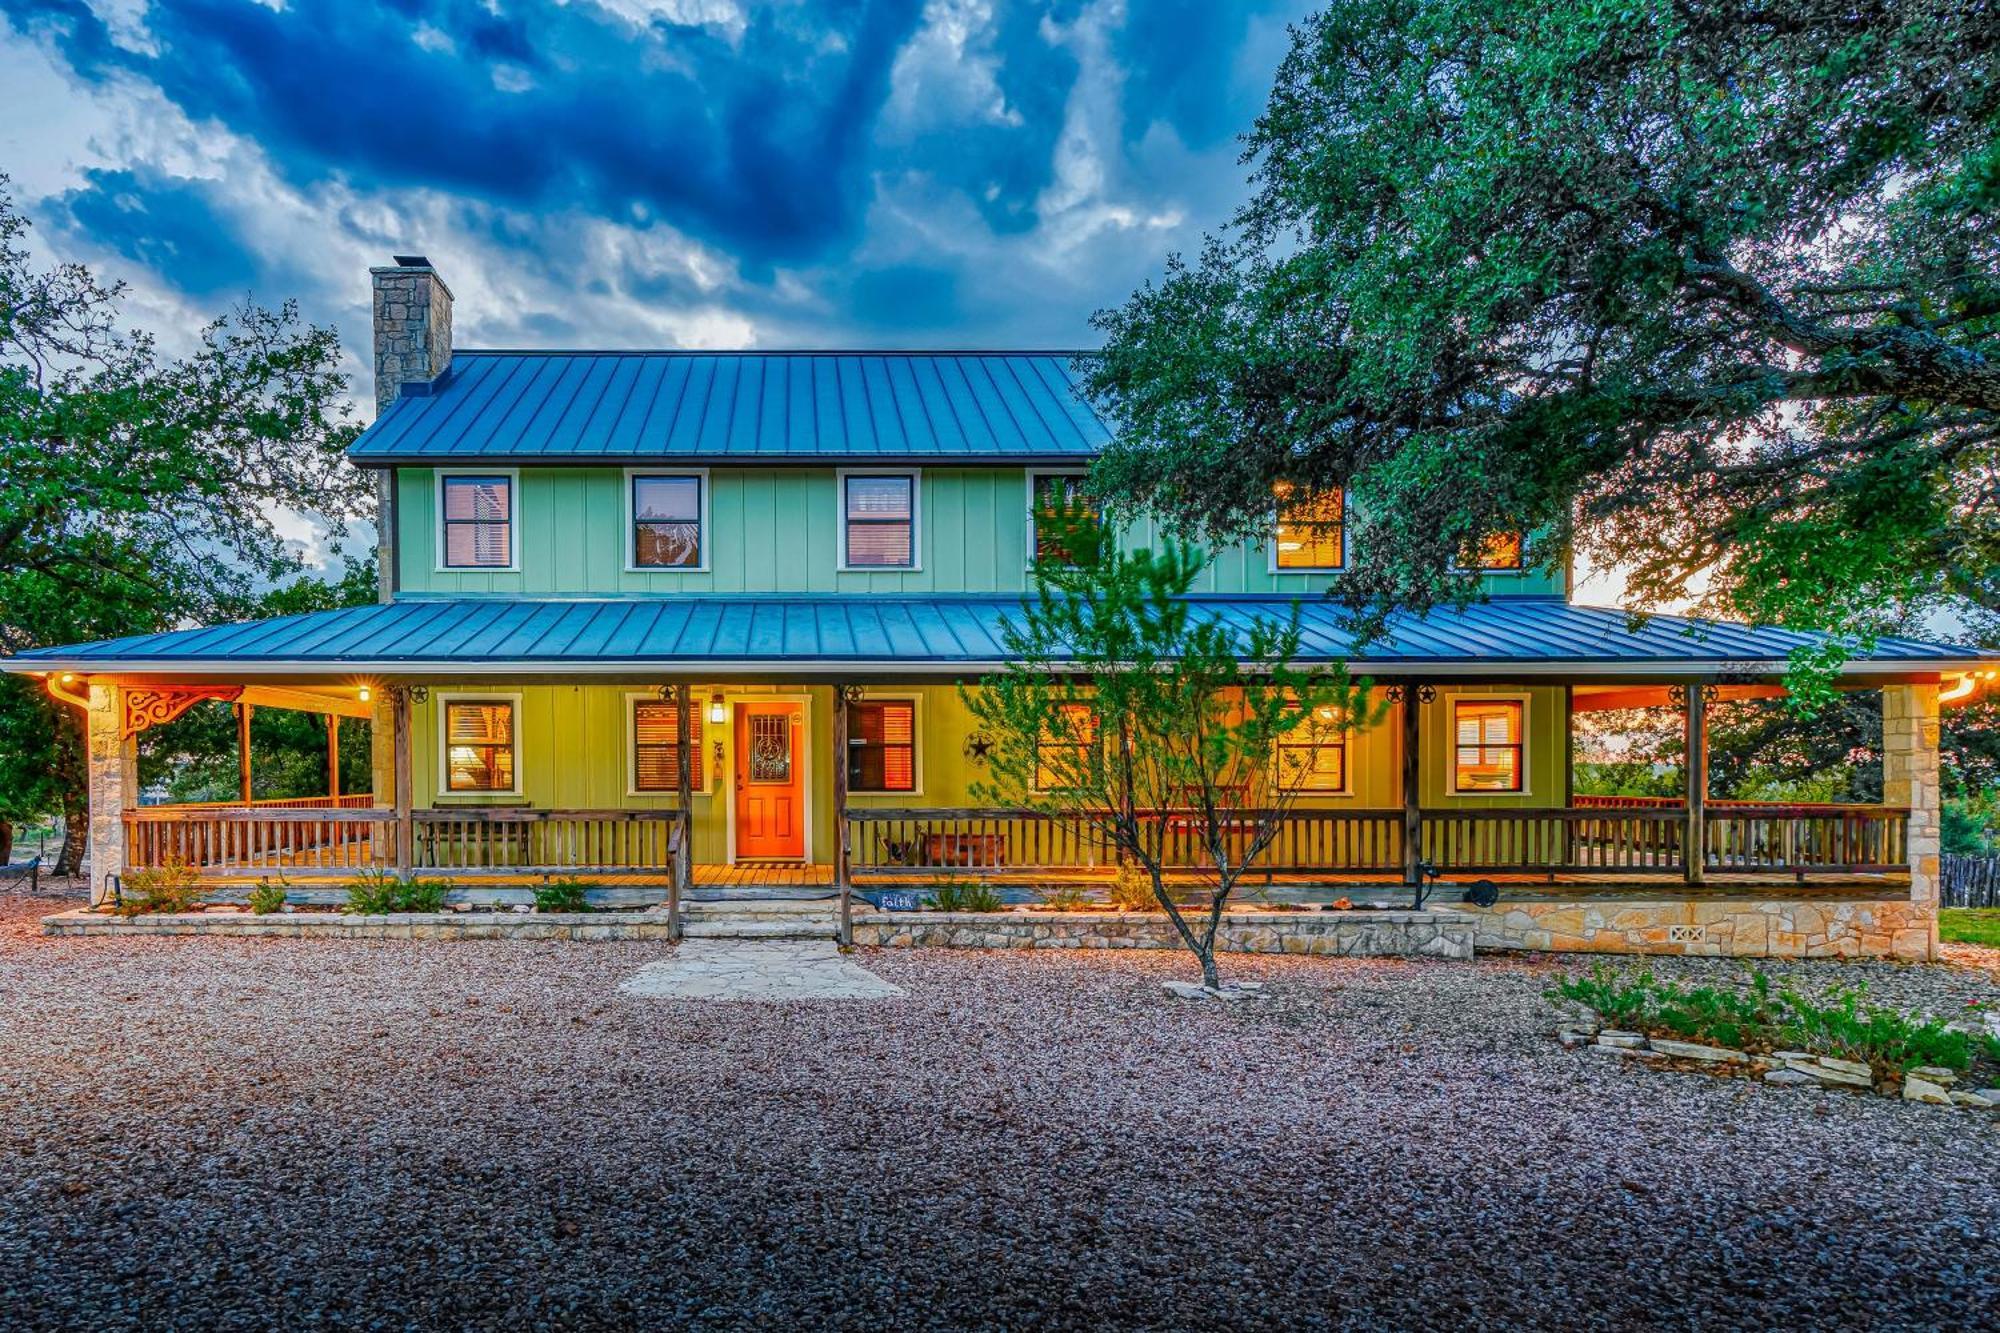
x=1969, y=881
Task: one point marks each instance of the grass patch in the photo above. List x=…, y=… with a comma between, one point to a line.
x=1757, y=1017
x=1970, y=925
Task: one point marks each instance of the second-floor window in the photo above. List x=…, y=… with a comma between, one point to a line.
x=667, y=522
x=1311, y=528
x=882, y=745
x=1487, y=746
x=1057, y=506
x=878, y=520
x=1499, y=553
x=478, y=514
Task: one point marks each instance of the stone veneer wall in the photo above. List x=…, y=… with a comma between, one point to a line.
x=1716, y=927
x=1431, y=934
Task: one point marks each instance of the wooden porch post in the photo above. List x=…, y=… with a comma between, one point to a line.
x=1413, y=833
x=1694, y=838
x=404, y=781
x=683, y=869
x=333, y=757
x=243, y=752
x=841, y=875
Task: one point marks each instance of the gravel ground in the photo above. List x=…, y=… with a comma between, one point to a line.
x=217, y=1134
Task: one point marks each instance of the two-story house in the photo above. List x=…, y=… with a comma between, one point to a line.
x=649, y=609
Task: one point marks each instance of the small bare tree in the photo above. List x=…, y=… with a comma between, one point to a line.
x=1174, y=737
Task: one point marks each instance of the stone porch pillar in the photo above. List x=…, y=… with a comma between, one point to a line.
x=1910, y=778
x=113, y=769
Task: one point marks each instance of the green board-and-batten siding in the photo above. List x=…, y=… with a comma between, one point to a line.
x=776, y=530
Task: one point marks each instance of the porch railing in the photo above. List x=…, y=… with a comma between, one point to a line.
x=310, y=842
x=1609, y=840
x=346, y=801
x=544, y=840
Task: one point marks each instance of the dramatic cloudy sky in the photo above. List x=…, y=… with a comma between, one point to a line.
x=618, y=173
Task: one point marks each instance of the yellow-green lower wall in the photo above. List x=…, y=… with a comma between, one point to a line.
x=574, y=753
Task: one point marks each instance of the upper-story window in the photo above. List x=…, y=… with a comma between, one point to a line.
x=1488, y=746
x=1312, y=529
x=1498, y=553
x=1057, y=506
x=882, y=745
x=477, y=511
x=669, y=520
x=878, y=520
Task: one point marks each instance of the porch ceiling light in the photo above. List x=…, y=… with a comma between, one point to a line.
x=1966, y=684
x=366, y=694
x=718, y=712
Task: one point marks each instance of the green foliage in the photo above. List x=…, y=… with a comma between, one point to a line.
x=1132, y=890
x=172, y=887
x=1754, y=1017
x=964, y=896
x=139, y=489
x=1966, y=828
x=268, y=897
x=1066, y=898
x=379, y=893
x=1147, y=726
x=562, y=895
x=1709, y=298
x=1970, y=925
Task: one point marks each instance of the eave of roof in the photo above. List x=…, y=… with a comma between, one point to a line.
x=1508, y=638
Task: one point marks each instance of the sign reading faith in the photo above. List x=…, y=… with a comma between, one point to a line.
x=901, y=900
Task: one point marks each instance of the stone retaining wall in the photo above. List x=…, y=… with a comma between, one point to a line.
x=402, y=926
x=1715, y=927
x=1373, y=934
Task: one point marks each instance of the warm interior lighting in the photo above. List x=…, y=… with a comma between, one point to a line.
x=718, y=712
x=68, y=676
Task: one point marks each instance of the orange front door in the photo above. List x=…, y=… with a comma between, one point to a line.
x=770, y=781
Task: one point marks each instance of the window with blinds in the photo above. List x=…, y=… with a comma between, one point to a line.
x=1065, y=750
x=1059, y=504
x=1313, y=755
x=1311, y=528
x=1488, y=748
x=666, y=522
x=479, y=745
x=656, y=748
x=882, y=745
x=478, y=522
x=879, y=515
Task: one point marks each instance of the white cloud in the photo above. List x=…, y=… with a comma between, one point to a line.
x=431, y=39
x=723, y=16
x=947, y=73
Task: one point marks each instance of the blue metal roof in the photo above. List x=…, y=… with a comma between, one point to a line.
x=892, y=633
x=569, y=407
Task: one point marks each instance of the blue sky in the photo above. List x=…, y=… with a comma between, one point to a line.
x=638, y=172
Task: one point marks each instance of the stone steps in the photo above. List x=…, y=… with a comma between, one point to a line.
x=762, y=919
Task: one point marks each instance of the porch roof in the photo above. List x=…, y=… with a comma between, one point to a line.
x=892, y=634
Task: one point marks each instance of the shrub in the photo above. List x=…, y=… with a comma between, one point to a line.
x=174, y=886
x=379, y=893
x=561, y=895
x=267, y=898
x=965, y=897
x=1132, y=890
x=1065, y=898
x=1756, y=1018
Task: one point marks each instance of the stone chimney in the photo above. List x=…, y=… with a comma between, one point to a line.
x=412, y=327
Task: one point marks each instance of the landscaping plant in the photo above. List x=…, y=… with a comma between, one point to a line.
x=967, y=896
x=379, y=893
x=172, y=887
x=267, y=897
x=562, y=895
x=1160, y=733
x=1065, y=898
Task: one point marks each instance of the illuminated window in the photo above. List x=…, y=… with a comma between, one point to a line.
x=1058, y=499
x=479, y=745
x=882, y=745
x=1311, y=528
x=1487, y=745
x=1313, y=755
x=1500, y=552
x=478, y=521
x=879, y=521
x=1066, y=748
x=656, y=748
x=666, y=522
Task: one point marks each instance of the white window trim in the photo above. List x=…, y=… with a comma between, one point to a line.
x=1034, y=475
x=1451, y=702
x=916, y=702
x=513, y=476
x=696, y=735
x=632, y=565
x=916, y=476
x=1271, y=550
x=444, y=786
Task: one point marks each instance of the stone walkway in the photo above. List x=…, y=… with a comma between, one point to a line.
x=724, y=969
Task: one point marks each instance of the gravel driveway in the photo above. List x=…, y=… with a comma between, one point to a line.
x=214, y=1133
